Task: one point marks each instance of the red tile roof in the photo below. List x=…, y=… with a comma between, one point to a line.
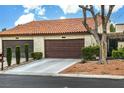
x=50, y=27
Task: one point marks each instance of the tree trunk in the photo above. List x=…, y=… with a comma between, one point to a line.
x=103, y=49
x=105, y=19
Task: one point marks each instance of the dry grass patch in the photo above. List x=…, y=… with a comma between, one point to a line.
x=114, y=67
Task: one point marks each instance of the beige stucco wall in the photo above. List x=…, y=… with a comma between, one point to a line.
x=0, y=45
x=39, y=40
x=100, y=28
x=120, y=44
x=119, y=28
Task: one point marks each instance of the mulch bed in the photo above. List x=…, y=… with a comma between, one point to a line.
x=114, y=67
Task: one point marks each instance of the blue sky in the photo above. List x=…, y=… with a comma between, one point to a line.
x=12, y=15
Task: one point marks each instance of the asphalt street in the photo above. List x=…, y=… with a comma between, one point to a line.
x=21, y=81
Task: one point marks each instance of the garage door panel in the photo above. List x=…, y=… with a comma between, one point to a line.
x=64, y=48
x=13, y=43
x=66, y=45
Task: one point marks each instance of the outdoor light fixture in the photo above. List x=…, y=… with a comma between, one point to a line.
x=63, y=37
x=17, y=37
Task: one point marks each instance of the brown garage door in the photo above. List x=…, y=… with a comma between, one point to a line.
x=63, y=48
x=13, y=43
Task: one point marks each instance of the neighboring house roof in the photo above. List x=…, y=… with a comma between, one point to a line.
x=50, y=27
x=116, y=35
x=120, y=24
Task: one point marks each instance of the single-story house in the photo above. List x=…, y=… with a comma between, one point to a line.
x=54, y=38
x=116, y=39
x=120, y=29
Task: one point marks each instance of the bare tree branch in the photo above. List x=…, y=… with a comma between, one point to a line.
x=94, y=17
x=103, y=18
x=85, y=20
x=85, y=7
x=93, y=32
x=109, y=12
x=91, y=9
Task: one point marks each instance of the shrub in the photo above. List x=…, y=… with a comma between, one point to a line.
x=118, y=53
x=90, y=52
x=17, y=53
x=36, y=55
x=83, y=61
x=121, y=49
x=9, y=56
x=26, y=51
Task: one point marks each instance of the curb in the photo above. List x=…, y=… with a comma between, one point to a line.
x=91, y=76
x=71, y=75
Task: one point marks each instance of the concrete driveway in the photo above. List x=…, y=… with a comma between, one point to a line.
x=43, y=66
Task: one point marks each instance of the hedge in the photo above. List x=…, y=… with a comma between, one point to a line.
x=9, y=56
x=26, y=52
x=36, y=55
x=17, y=53
x=90, y=52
